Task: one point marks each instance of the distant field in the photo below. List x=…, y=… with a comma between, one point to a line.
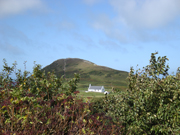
x=92, y=94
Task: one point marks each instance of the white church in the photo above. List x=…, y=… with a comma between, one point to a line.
x=96, y=89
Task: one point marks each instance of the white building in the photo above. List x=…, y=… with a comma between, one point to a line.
x=96, y=88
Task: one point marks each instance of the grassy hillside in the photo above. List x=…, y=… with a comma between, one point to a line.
x=90, y=73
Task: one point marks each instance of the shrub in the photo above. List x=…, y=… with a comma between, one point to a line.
x=44, y=104
x=152, y=102
x=61, y=115
x=37, y=83
x=98, y=106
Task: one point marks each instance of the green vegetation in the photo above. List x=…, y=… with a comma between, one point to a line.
x=151, y=104
x=84, y=94
x=42, y=103
x=90, y=94
x=89, y=73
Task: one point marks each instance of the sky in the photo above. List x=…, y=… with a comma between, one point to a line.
x=115, y=33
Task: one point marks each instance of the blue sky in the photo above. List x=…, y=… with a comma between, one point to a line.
x=113, y=33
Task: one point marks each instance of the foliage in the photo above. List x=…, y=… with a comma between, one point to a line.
x=38, y=82
x=44, y=104
x=98, y=105
x=151, y=104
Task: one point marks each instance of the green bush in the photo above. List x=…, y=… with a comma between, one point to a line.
x=37, y=83
x=151, y=104
x=44, y=104
x=98, y=105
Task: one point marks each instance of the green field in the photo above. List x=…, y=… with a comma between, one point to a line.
x=84, y=94
x=90, y=73
x=90, y=94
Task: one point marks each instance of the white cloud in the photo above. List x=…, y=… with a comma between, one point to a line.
x=138, y=21
x=103, y=22
x=11, y=7
x=146, y=13
x=109, y=27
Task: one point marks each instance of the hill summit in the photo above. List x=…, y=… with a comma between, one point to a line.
x=90, y=73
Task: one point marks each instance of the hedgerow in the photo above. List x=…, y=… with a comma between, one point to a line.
x=44, y=104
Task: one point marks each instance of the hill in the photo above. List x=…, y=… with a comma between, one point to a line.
x=90, y=73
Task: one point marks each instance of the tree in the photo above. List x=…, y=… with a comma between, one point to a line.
x=151, y=104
